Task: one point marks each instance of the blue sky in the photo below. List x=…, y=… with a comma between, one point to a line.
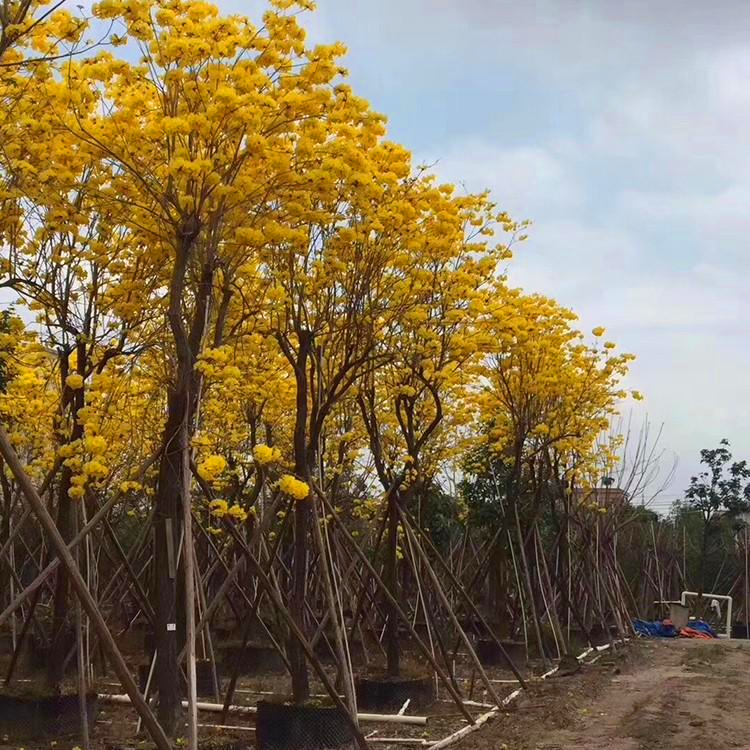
x=622, y=132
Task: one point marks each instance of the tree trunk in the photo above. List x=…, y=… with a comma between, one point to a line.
x=182, y=405
x=60, y=644
x=393, y=652
x=167, y=526
x=704, y=554
x=302, y=467
x=5, y=572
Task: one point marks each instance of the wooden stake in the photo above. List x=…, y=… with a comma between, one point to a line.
x=277, y=602
x=347, y=678
x=473, y=607
x=52, y=567
x=438, y=589
x=84, y=595
x=379, y=581
x=82, y=690
x=189, y=571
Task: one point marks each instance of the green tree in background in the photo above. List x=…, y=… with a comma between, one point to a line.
x=722, y=488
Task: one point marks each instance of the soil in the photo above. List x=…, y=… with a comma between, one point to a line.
x=646, y=694
x=667, y=693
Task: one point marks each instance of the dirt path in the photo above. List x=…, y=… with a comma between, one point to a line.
x=670, y=694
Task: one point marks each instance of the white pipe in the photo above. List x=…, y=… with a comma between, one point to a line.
x=451, y=738
x=227, y=726
x=402, y=741
x=476, y=704
x=500, y=682
x=723, y=597
x=252, y=710
x=461, y=733
x=510, y=698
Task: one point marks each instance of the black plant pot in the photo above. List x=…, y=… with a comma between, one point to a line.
x=203, y=678
x=39, y=717
x=204, y=681
x=326, y=651
x=383, y=693
x=280, y=726
x=253, y=659
x=490, y=654
x=39, y=652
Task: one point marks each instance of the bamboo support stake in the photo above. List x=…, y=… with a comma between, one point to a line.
x=207, y=639
x=189, y=573
x=461, y=733
x=84, y=595
x=81, y=659
x=260, y=529
x=147, y=687
x=428, y=620
x=529, y=585
x=278, y=604
x=446, y=604
x=14, y=532
x=472, y=606
x=248, y=625
x=345, y=667
x=420, y=643
x=546, y=581
x=52, y=567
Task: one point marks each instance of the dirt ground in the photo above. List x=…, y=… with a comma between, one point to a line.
x=647, y=694
x=666, y=693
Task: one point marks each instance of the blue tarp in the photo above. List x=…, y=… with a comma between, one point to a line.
x=665, y=629
x=655, y=629
x=704, y=627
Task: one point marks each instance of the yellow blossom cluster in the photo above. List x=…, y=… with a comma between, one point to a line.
x=212, y=467
x=74, y=381
x=265, y=455
x=293, y=487
x=222, y=509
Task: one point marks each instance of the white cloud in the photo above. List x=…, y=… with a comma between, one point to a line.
x=525, y=180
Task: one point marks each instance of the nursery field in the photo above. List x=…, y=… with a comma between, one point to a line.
x=288, y=459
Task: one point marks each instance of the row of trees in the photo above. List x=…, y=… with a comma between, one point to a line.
x=253, y=314
x=701, y=545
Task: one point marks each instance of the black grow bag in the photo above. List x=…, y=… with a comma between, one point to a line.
x=254, y=658
x=280, y=726
x=39, y=717
x=382, y=693
x=203, y=679
x=489, y=653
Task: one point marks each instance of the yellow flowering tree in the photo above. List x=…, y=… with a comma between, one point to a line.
x=547, y=396
x=240, y=285
x=417, y=405
x=232, y=123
